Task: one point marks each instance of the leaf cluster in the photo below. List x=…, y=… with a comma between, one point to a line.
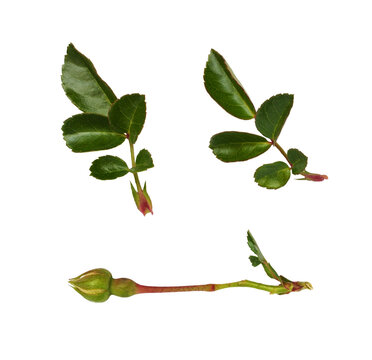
x=231, y=146
x=259, y=259
x=105, y=121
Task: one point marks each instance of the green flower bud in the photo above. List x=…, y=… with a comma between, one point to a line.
x=94, y=285
x=123, y=287
x=142, y=200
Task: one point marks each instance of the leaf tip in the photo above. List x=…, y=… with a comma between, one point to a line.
x=213, y=51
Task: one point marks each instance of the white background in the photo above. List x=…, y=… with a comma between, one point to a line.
x=58, y=222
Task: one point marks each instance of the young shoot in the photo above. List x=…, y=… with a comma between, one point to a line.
x=105, y=122
x=98, y=285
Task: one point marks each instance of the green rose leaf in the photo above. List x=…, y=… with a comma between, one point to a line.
x=272, y=176
x=108, y=168
x=272, y=115
x=260, y=259
x=254, y=246
x=225, y=88
x=284, y=279
x=232, y=146
x=254, y=260
x=143, y=161
x=127, y=115
x=82, y=84
x=90, y=132
x=298, y=161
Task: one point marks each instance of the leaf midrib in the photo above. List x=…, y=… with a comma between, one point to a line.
x=244, y=143
x=95, y=132
x=93, y=73
x=234, y=83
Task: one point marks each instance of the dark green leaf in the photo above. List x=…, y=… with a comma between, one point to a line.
x=232, y=146
x=90, y=132
x=143, y=161
x=83, y=86
x=254, y=260
x=272, y=176
x=225, y=88
x=254, y=246
x=108, y=168
x=127, y=115
x=298, y=161
x=272, y=115
x=284, y=279
x=260, y=259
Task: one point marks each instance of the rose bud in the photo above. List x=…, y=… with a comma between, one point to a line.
x=97, y=285
x=142, y=200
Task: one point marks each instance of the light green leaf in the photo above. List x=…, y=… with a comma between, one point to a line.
x=298, y=161
x=272, y=115
x=272, y=176
x=223, y=86
x=90, y=132
x=127, y=115
x=232, y=146
x=135, y=194
x=143, y=161
x=82, y=84
x=108, y=168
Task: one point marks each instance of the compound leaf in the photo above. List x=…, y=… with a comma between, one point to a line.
x=233, y=146
x=272, y=115
x=127, y=115
x=223, y=86
x=82, y=84
x=272, y=176
x=108, y=168
x=90, y=132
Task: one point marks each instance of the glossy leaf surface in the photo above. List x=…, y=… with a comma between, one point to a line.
x=108, y=167
x=272, y=114
x=223, y=86
x=90, y=132
x=298, y=161
x=143, y=161
x=272, y=176
x=82, y=84
x=127, y=115
x=232, y=146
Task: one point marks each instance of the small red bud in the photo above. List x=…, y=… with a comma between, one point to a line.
x=314, y=177
x=142, y=200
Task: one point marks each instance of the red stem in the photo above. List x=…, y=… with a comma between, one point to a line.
x=143, y=289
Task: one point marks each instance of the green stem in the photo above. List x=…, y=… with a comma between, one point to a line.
x=306, y=174
x=136, y=178
x=279, y=289
x=282, y=152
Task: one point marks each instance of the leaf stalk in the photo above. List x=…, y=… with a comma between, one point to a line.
x=136, y=178
x=282, y=152
x=307, y=175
